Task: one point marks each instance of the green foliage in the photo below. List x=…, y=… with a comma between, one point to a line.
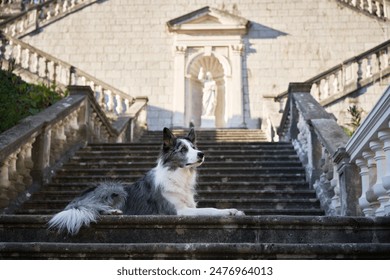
x=356, y=118
x=19, y=99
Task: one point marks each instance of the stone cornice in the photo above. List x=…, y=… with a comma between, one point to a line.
x=209, y=20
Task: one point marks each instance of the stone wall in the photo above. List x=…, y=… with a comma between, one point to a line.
x=127, y=44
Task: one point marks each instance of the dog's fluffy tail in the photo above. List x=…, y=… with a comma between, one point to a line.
x=73, y=219
x=106, y=198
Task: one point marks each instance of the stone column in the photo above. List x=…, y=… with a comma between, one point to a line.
x=236, y=104
x=179, y=87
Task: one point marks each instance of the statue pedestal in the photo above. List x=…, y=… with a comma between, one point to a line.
x=207, y=122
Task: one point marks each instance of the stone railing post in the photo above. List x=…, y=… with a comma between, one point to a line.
x=349, y=182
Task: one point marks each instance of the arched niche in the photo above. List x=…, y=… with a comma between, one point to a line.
x=220, y=70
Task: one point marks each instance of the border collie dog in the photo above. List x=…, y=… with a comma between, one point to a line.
x=167, y=189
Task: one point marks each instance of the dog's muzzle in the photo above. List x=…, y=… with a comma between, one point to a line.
x=201, y=156
x=200, y=160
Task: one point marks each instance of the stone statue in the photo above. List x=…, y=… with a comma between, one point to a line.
x=209, y=99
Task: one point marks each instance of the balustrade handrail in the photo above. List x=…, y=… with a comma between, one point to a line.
x=330, y=134
x=33, y=16
x=384, y=46
x=71, y=69
x=33, y=149
x=374, y=8
x=319, y=140
x=369, y=149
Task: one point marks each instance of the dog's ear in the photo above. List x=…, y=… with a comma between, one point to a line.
x=192, y=135
x=169, y=138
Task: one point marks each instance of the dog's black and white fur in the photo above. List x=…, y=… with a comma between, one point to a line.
x=167, y=189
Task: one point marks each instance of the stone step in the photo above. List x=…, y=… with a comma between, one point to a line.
x=205, y=146
x=202, y=186
x=248, y=212
x=211, y=178
x=208, y=154
x=153, y=158
x=82, y=171
x=221, y=203
x=53, y=195
x=174, y=251
x=203, y=229
x=208, y=164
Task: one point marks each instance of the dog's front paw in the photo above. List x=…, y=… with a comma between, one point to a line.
x=235, y=212
x=114, y=212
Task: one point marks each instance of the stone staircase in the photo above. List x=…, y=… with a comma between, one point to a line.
x=259, y=178
x=266, y=180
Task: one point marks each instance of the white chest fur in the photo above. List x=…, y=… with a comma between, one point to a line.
x=177, y=186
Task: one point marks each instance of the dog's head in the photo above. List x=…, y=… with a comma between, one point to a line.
x=180, y=152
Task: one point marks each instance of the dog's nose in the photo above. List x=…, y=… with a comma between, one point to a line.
x=200, y=155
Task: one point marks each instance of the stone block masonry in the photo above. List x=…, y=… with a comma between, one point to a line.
x=127, y=44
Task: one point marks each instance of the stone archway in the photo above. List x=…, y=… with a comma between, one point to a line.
x=194, y=91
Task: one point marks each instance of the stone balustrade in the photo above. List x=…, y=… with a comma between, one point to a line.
x=40, y=15
x=352, y=74
x=377, y=8
x=30, y=151
x=319, y=142
x=50, y=70
x=369, y=148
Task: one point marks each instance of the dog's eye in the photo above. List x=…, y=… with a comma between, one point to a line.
x=183, y=149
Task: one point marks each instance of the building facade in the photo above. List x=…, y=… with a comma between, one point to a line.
x=212, y=63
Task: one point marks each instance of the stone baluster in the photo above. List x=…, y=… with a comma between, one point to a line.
x=48, y=12
x=371, y=197
x=378, y=188
x=110, y=101
x=337, y=81
x=362, y=4
x=55, y=70
x=369, y=66
x=335, y=184
x=380, y=11
x=384, y=136
x=333, y=86
x=15, y=178
x=119, y=104
x=34, y=63
x=98, y=126
x=370, y=7
x=359, y=70
x=5, y=183
x=17, y=54
x=57, y=8
x=364, y=204
x=46, y=69
x=67, y=132
x=58, y=141
x=100, y=97
x=25, y=58
x=315, y=91
x=39, y=68
x=65, y=5
x=23, y=167
x=326, y=86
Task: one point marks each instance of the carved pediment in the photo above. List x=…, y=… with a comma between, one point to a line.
x=209, y=20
